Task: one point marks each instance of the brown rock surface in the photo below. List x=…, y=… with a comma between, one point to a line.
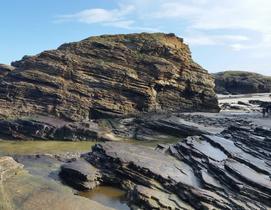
x=8, y=168
x=108, y=76
x=5, y=69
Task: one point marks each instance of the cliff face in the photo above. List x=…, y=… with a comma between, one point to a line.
x=5, y=69
x=241, y=82
x=108, y=76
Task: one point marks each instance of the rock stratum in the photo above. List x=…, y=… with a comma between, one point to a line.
x=241, y=82
x=226, y=171
x=105, y=77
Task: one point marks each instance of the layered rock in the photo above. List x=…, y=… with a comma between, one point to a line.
x=80, y=175
x=5, y=69
x=241, y=82
x=227, y=171
x=30, y=129
x=108, y=76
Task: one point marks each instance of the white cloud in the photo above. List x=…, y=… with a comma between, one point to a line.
x=242, y=16
x=203, y=39
x=201, y=22
x=118, y=17
x=238, y=47
x=115, y=17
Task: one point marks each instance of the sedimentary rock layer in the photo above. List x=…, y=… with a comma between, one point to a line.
x=108, y=76
x=228, y=171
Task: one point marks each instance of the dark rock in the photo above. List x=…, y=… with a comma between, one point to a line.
x=199, y=172
x=25, y=129
x=154, y=127
x=243, y=103
x=241, y=82
x=80, y=175
x=36, y=129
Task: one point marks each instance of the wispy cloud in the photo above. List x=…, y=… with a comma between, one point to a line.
x=207, y=39
x=118, y=17
x=200, y=22
x=211, y=16
x=115, y=17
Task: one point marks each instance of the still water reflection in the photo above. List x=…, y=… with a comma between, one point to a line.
x=108, y=196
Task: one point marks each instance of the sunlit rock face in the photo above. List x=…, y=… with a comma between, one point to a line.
x=108, y=76
x=5, y=69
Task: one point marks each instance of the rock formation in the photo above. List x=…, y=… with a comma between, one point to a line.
x=227, y=171
x=108, y=76
x=240, y=82
x=21, y=190
x=5, y=69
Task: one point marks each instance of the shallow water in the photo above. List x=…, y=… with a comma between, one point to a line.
x=57, y=147
x=108, y=196
x=41, y=147
x=46, y=170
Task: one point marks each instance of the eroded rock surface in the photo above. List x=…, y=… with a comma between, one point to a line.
x=227, y=171
x=108, y=76
x=23, y=191
x=49, y=128
x=5, y=69
x=8, y=168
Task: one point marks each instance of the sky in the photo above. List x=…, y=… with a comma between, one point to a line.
x=222, y=34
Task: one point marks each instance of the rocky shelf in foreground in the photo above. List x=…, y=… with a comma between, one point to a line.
x=24, y=191
x=227, y=171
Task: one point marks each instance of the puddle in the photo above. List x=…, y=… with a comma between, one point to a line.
x=108, y=196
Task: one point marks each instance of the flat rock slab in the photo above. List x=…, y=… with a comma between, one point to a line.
x=29, y=192
x=148, y=161
x=200, y=172
x=80, y=174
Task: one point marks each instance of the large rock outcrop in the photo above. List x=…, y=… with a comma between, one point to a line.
x=241, y=82
x=108, y=76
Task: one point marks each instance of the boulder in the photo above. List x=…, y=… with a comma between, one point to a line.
x=80, y=174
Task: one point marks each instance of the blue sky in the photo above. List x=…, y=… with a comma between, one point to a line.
x=222, y=34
